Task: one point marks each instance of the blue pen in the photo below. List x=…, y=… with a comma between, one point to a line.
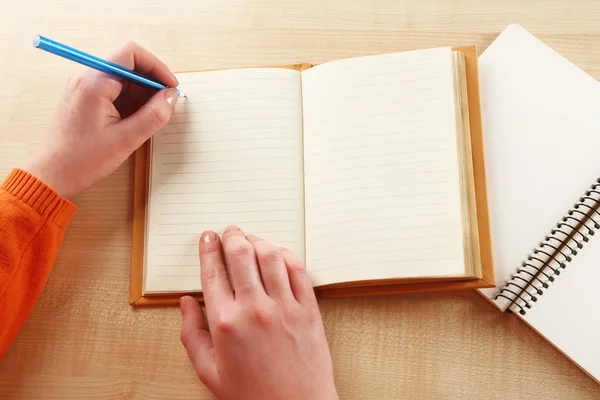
x=91, y=61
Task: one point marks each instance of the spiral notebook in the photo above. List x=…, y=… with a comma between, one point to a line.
x=541, y=123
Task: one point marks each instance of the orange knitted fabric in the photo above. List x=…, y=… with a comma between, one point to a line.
x=33, y=218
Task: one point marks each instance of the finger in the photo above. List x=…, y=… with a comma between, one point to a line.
x=131, y=56
x=94, y=84
x=213, y=273
x=241, y=259
x=139, y=59
x=148, y=120
x=197, y=341
x=300, y=283
x=272, y=269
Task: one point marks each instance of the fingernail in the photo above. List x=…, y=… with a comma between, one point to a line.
x=182, y=305
x=232, y=228
x=209, y=236
x=252, y=238
x=171, y=96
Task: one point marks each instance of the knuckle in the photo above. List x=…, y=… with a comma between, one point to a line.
x=184, y=335
x=130, y=45
x=158, y=118
x=241, y=250
x=75, y=82
x=260, y=315
x=212, y=274
x=270, y=255
x=297, y=267
x=225, y=326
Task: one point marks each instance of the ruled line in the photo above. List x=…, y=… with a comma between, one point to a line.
x=241, y=78
x=365, y=115
x=386, y=218
x=204, y=182
x=226, y=100
x=388, y=153
x=286, y=169
x=387, y=164
x=361, y=230
x=234, y=120
x=217, y=223
x=221, y=140
x=200, y=152
x=195, y=245
x=372, y=126
x=342, y=201
x=394, y=133
x=227, y=161
x=245, y=89
x=390, y=242
x=397, y=207
x=234, y=190
x=393, y=73
x=222, y=202
x=395, y=250
x=213, y=131
x=366, y=146
x=262, y=232
x=346, y=108
x=367, y=62
x=247, y=107
x=228, y=212
x=354, y=179
x=391, y=262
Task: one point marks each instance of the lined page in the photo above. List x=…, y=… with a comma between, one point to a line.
x=381, y=168
x=231, y=154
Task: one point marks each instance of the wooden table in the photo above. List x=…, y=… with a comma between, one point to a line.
x=84, y=341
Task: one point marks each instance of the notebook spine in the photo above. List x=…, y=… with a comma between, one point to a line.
x=553, y=254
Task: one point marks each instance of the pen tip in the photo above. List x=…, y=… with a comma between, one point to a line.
x=180, y=93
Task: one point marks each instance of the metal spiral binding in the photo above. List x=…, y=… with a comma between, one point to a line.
x=552, y=255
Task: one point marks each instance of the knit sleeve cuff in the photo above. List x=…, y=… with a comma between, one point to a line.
x=39, y=196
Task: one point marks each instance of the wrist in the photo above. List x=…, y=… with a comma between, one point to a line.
x=44, y=172
x=37, y=195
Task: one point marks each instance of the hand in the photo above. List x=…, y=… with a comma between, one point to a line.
x=100, y=121
x=266, y=339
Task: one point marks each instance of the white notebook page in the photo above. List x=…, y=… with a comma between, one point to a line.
x=542, y=110
x=381, y=168
x=567, y=313
x=542, y=134
x=231, y=154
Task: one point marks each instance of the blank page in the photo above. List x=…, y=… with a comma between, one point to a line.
x=541, y=125
x=567, y=313
x=231, y=154
x=381, y=168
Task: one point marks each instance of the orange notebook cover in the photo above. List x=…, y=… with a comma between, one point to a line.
x=365, y=288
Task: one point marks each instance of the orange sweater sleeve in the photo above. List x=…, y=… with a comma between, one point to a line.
x=33, y=218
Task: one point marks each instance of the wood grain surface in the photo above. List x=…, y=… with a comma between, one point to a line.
x=83, y=340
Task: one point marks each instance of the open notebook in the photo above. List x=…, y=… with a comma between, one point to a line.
x=363, y=167
x=541, y=121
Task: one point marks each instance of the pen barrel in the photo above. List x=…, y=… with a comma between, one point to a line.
x=91, y=61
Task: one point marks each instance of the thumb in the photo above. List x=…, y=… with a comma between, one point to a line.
x=197, y=341
x=149, y=119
